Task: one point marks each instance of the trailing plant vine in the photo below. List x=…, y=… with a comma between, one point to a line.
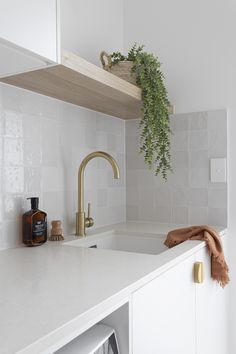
x=155, y=123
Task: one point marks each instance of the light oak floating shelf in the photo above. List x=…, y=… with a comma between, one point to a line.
x=77, y=81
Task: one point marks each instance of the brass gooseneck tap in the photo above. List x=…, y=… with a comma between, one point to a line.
x=82, y=222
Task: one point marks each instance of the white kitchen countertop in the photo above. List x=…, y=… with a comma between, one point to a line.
x=52, y=293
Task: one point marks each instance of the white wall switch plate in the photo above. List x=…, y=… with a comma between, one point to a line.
x=218, y=170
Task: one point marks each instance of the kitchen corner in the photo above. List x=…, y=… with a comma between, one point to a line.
x=137, y=122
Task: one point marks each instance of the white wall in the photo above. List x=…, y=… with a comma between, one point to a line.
x=195, y=41
x=88, y=27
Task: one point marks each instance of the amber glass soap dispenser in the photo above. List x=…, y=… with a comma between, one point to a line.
x=34, y=225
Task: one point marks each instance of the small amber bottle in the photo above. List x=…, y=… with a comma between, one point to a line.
x=34, y=225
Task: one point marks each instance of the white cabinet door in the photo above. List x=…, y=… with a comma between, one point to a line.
x=211, y=312
x=163, y=313
x=31, y=24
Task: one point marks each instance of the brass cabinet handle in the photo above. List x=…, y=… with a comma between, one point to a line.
x=198, y=272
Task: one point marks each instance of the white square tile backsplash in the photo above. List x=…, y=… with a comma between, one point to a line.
x=42, y=142
x=188, y=196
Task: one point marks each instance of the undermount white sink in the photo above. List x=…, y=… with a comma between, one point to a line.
x=123, y=241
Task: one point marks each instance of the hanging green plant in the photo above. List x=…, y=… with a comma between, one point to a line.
x=154, y=123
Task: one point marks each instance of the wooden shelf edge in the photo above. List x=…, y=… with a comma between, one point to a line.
x=84, y=84
x=94, y=72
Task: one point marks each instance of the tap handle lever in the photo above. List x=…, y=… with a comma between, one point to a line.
x=89, y=207
x=89, y=221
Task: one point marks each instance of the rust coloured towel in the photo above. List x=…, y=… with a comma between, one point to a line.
x=219, y=268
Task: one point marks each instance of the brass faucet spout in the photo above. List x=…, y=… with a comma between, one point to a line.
x=81, y=221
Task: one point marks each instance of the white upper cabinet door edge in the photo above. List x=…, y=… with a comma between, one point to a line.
x=32, y=25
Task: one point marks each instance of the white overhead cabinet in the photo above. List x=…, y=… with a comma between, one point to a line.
x=33, y=57
x=28, y=35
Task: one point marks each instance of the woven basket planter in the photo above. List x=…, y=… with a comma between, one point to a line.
x=121, y=69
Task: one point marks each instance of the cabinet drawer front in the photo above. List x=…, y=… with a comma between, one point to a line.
x=163, y=313
x=211, y=312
